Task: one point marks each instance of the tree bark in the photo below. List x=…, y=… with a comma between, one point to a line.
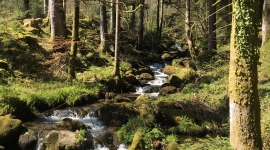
x=26, y=8
x=132, y=17
x=188, y=32
x=45, y=7
x=245, y=130
x=75, y=40
x=141, y=26
x=265, y=20
x=160, y=20
x=103, y=26
x=116, y=71
x=212, y=26
x=57, y=20
x=112, y=17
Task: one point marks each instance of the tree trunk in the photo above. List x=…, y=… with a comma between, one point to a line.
x=26, y=8
x=57, y=20
x=103, y=26
x=212, y=26
x=265, y=20
x=141, y=26
x=112, y=17
x=116, y=71
x=245, y=130
x=158, y=18
x=132, y=17
x=45, y=7
x=75, y=39
x=188, y=32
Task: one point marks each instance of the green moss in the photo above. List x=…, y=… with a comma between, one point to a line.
x=137, y=142
x=173, y=146
x=52, y=137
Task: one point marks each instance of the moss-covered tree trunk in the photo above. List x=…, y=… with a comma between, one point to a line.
x=103, y=26
x=116, y=71
x=57, y=20
x=245, y=133
x=75, y=39
x=265, y=20
x=188, y=32
x=212, y=45
x=141, y=26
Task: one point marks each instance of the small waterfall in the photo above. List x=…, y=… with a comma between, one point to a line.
x=86, y=115
x=152, y=87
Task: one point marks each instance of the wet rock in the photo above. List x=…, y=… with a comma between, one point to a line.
x=70, y=124
x=115, y=114
x=60, y=140
x=10, y=129
x=131, y=79
x=120, y=99
x=167, y=88
x=28, y=140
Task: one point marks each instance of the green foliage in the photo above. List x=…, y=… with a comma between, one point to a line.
x=48, y=94
x=126, y=132
x=36, y=10
x=171, y=138
x=207, y=143
x=81, y=139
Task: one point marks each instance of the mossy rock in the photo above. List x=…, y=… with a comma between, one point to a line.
x=178, y=63
x=189, y=63
x=131, y=79
x=2, y=147
x=142, y=99
x=167, y=56
x=4, y=65
x=145, y=113
x=167, y=88
x=145, y=70
x=169, y=69
x=175, y=80
x=70, y=124
x=28, y=140
x=176, y=114
x=144, y=77
x=186, y=74
x=10, y=129
x=61, y=140
x=120, y=99
x=137, y=142
x=119, y=85
x=173, y=146
x=166, y=104
x=188, y=126
x=115, y=114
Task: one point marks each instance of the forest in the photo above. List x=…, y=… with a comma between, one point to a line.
x=134, y=74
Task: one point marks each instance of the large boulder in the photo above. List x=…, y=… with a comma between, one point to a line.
x=168, y=69
x=28, y=140
x=10, y=130
x=115, y=114
x=167, y=88
x=142, y=100
x=63, y=139
x=70, y=124
x=175, y=80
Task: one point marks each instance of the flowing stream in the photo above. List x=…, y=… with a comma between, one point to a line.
x=86, y=115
